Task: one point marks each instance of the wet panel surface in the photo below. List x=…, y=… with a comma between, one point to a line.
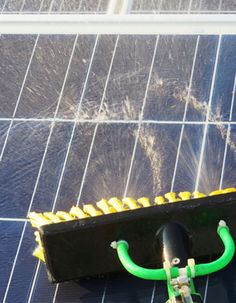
x=136, y=116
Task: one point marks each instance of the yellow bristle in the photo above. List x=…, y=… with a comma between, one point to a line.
x=91, y=210
x=52, y=217
x=37, y=237
x=104, y=207
x=144, y=201
x=77, y=212
x=185, y=195
x=38, y=219
x=229, y=190
x=216, y=192
x=197, y=194
x=130, y=202
x=171, y=197
x=64, y=216
x=38, y=253
x=116, y=204
x=159, y=200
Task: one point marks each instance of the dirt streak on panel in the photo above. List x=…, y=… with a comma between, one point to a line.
x=170, y=77
x=152, y=5
x=154, y=160
x=103, y=5
x=71, y=5
x=46, y=5
x=15, y=51
x=128, y=79
x=230, y=162
x=45, y=78
x=13, y=5
x=225, y=77
x=97, y=79
x=210, y=5
x=185, y=4
x=76, y=77
x=229, y=5
x=201, y=83
x=32, y=5
x=170, y=5
x=89, y=5
x=109, y=162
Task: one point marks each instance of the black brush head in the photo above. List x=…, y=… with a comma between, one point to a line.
x=81, y=248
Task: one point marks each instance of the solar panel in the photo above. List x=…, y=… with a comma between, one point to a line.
x=87, y=116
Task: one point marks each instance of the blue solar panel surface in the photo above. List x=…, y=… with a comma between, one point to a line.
x=86, y=117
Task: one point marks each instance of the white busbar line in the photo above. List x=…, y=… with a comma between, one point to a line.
x=118, y=24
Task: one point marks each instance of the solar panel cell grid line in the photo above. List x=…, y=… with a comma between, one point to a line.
x=220, y=92
x=46, y=6
x=228, y=132
x=4, y=145
x=104, y=291
x=95, y=129
x=153, y=292
x=65, y=78
x=12, y=5
x=90, y=5
x=221, y=177
x=95, y=121
x=64, y=165
x=163, y=77
x=23, y=84
x=10, y=232
x=125, y=79
x=185, y=112
x=141, y=117
x=94, y=135
x=32, y=5
x=21, y=6
x=110, y=293
x=208, y=112
x=47, y=146
x=18, y=99
x=92, y=141
x=13, y=219
x=201, y=83
x=96, y=126
x=205, y=131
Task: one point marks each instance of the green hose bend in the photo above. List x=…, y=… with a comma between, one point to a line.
x=138, y=271
x=160, y=274
x=229, y=245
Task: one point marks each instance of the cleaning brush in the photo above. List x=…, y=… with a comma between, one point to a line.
x=169, y=232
